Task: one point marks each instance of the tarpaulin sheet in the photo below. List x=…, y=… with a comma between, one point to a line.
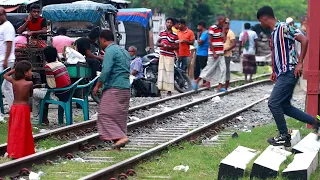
x=139, y=15
x=77, y=11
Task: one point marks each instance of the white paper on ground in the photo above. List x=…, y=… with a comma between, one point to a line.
x=181, y=168
x=35, y=176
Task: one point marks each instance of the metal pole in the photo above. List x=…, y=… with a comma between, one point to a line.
x=311, y=64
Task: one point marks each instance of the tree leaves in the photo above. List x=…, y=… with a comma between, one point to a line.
x=195, y=10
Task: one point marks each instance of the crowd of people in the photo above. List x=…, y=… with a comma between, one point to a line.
x=213, y=58
x=213, y=52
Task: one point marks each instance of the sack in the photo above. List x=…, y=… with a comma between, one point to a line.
x=73, y=56
x=145, y=88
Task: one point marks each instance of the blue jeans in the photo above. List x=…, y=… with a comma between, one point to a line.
x=183, y=62
x=279, y=102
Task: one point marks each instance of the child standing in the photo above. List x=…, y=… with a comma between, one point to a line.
x=20, y=139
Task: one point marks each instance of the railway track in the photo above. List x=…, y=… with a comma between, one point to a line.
x=91, y=142
x=122, y=169
x=89, y=126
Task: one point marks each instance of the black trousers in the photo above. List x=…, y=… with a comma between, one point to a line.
x=95, y=66
x=62, y=95
x=201, y=62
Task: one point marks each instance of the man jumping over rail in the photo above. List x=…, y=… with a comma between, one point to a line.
x=287, y=68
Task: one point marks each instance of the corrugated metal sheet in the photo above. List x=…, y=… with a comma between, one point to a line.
x=16, y=2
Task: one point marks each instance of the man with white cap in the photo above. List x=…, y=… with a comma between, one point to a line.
x=297, y=44
x=290, y=21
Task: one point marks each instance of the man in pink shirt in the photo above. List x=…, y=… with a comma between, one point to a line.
x=60, y=41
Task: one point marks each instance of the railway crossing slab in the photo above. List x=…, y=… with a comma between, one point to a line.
x=302, y=166
x=268, y=163
x=307, y=144
x=234, y=165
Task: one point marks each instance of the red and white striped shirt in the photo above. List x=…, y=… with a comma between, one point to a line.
x=170, y=39
x=57, y=75
x=217, y=40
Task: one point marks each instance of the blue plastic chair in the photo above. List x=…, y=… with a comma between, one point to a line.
x=63, y=106
x=84, y=103
x=1, y=81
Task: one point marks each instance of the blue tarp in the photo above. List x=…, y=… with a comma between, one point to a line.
x=139, y=15
x=77, y=11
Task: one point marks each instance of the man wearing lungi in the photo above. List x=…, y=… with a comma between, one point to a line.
x=168, y=42
x=216, y=65
x=115, y=83
x=248, y=40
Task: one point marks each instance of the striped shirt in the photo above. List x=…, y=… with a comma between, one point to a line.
x=57, y=75
x=217, y=40
x=284, y=56
x=170, y=39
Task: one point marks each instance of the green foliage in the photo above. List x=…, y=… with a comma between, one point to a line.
x=195, y=10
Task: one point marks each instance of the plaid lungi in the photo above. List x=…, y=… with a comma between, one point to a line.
x=113, y=114
x=166, y=73
x=249, y=64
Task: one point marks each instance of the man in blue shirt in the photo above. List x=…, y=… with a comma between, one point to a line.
x=202, y=50
x=136, y=68
x=287, y=67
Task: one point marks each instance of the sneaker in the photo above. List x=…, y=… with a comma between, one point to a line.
x=281, y=140
x=195, y=85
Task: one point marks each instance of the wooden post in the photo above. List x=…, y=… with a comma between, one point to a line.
x=311, y=64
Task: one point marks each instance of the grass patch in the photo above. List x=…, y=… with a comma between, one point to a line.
x=4, y=131
x=204, y=161
x=263, y=70
x=78, y=119
x=67, y=169
x=49, y=143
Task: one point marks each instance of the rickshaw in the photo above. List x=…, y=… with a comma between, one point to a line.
x=16, y=19
x=79, y=18
x=135, y=26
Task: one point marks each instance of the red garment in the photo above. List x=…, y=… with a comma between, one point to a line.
x=217, y=40
x=35, y=26
x=169, y=39
x=20, y=139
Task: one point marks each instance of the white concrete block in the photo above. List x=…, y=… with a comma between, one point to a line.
x=307, y=144
x=234, y=165
x=302, y=166
x=268, y=163
x=295, y=137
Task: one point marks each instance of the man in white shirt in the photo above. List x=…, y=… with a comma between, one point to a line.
x=7, y=57
x=248, y=40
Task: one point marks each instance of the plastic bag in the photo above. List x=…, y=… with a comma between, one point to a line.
x=73, y=56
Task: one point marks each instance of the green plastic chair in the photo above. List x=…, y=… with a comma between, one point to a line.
x=1, y=81
x=63, y=106
x=84, y=103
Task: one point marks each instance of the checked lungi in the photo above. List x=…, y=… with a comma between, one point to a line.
x=166, y=73
x=249, y=64
x=113, y=114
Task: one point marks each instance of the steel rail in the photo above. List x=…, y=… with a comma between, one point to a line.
x=14, y=166
x=83, y=126
x=115, y=169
